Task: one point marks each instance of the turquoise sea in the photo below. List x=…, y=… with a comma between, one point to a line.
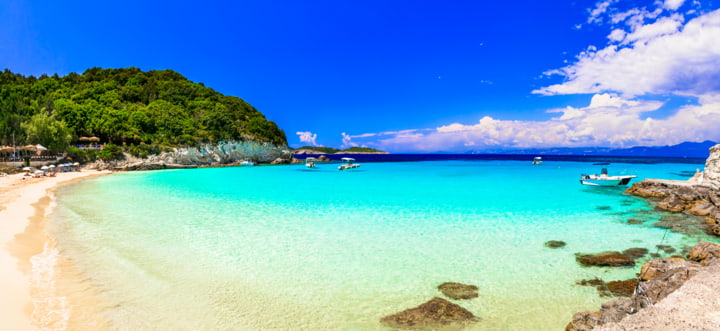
x=288, y=248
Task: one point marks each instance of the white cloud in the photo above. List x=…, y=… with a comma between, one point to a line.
x=673, y=4
x=657, y=61
x=307, y=137
x=347, y=141
x=663, y=26
x=600, y=9
x=651, y=53
x=608, y=121
x=617, y=35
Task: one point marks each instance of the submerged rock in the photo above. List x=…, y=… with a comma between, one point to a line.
x=458, y=290
x=598, y=284
x=634, y=221
x=616, y=287
x=605, y=259
x=437, y=313
x=583, y=321
x=623, y=287
x=554, y=243
x=616, y=310
x=667, y=248
x=635, y=253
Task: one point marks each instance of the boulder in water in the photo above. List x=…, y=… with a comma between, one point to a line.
x=554, y=243
x=458, y=290
x=605, y=259
x=623, y=287
x=437, y=313
x=635, y=253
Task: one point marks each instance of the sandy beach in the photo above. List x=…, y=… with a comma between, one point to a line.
x=24, y=203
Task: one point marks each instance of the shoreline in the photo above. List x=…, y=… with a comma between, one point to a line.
x=25, y=203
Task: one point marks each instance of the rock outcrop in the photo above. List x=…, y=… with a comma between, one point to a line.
x=657, y=280
x=704, y=253
x=435, y=314
x=458, y=291
x=224, y=153
x=699, y=196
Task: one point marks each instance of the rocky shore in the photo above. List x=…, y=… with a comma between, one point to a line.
x=677, y=293
x=225, y=153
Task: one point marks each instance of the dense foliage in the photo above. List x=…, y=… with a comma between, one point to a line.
x=321, y=149
x=125, y=107
x=362, y=150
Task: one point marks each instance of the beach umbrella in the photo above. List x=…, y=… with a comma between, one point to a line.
x=6, y=149
x=26, y=169
x=52, y=166
x=76, y=164
x=44, y=167
x=29, y=148
x=93, y=139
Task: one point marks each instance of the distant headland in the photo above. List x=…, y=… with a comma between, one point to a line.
x=330, y=150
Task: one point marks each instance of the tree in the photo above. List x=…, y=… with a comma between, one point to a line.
x=46, y=130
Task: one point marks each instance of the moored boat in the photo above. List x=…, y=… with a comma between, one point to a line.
x=537, y=160
x=349, y=163
x=603, y=179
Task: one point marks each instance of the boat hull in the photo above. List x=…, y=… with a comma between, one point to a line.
x=607, y=181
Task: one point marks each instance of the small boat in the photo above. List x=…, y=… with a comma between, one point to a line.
x=604, y=180
x=310, y=163
x=247, y=162
x=349, y=163
x=537, y=160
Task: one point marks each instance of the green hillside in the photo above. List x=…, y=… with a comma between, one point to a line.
x=125, y=107
x=331, y=150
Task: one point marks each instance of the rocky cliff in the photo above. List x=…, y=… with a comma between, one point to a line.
x=711, y=176
x=698, y=196
x=206, y=155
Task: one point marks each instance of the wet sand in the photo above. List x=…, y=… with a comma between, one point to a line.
x=24, y=204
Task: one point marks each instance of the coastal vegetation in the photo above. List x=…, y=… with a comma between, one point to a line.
x=127, y=109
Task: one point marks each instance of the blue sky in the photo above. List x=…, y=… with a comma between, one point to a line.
x=410, y=76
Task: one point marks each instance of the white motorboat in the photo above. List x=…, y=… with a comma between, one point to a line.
x=247, y=163
x=310, y=163
x=348, y=163
x=604, y=180
x=537, y=160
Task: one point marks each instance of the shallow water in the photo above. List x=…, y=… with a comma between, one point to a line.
x=285, y=247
